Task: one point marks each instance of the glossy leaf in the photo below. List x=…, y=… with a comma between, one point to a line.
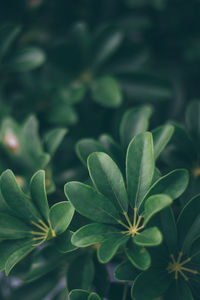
x=149, y=237
x=13, y=228
x=161, y=137
x=154, y=204
x=108, y=179
x=86, y=146
x=138, y=256
x=91, y=204
x=173, y=184
x=16, y=199
x=139, y=167
x=91, y=234
x=78, y=294
x=106, y=91
x=110, y=245
x=60, y=216
x=134, y=121
x=38, y=193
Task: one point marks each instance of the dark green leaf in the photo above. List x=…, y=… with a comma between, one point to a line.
x=173, y=184
x=178, y=290
x=192, y=119
x=13, y=228
x=138, y=256
x=93, y=296
x=134, y=121
x=78, y=295
x=63, y=242
x=161, y=137
x=80, y=273
x=108, y=179
x=110, y=245
x=86, y=146
x=38, y=193
x=139, y=167
x=150, y=285
x=91, y=234
x=60, y=216
x=16, y=199
x=149, y=237
x=8, y=34
x=91, y=204
x=154, y=204
x=125, y=271
x=106, y=91
x=168, y=228
x=54, y=138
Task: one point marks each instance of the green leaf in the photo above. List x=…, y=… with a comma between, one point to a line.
x=63, y=242
x=125, y=271
x=139, y=167
x=138, y=256
x=8, y=247
x=80, y=273
x=26, y=59
x=86, y=146
x=17, y=256
x=107, y=42
x=149, y=237
x=154, y=204
x=60, y=216
x=110, y=245
x=173, y=184
x=150, y=285
x=8, y=34
x=188, y=223
x=107, y=178
x=111, y=147
x=91, y=204
x=54, y=138
x=134, y=121
x=16, y=200
x=93, y=296
x=78, y=295
x=38, y=193
x=168, y=228
x=179, y=290
x=106, y=91
x=91, y=234
x=13, y=228
x=161, y=137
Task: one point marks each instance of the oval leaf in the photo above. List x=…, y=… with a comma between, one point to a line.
x=149, y=237
x=138, y=256
x=161, y=137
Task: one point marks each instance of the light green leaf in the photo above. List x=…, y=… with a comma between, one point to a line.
x=60, y=216
x=139, y=167
x=91, y=204
x=154, y=204
x=107, y=178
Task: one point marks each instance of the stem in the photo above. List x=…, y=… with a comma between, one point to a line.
x=127, y=219
x=125, y=292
